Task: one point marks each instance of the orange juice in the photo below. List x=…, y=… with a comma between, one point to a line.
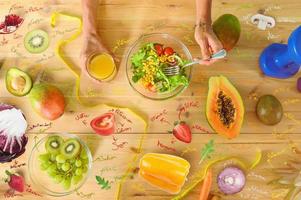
x=101, y=67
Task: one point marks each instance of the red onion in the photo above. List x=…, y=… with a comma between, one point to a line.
x=12, y=133
x=231, y=180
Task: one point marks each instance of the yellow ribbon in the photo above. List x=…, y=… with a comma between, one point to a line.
x=200, y=175
x=76, y=72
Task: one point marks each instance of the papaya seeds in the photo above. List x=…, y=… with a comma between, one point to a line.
x=269, y=110
x=226, y=109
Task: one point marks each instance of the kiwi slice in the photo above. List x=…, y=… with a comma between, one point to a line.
x=36, y=41
x=18, y=82
x=71, y=148
x=54, y=144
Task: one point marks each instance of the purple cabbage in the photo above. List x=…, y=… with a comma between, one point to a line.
x=12, y=133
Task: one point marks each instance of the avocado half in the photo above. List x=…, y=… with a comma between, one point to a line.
x=18, y=82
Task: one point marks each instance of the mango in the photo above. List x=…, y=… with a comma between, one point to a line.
x=227, y=29
x=47, y=100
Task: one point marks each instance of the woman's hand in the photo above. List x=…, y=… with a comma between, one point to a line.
x=208, y=42
x=92, y=44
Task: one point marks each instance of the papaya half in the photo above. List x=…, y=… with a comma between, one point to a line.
x=227, y=29
x=224, y=107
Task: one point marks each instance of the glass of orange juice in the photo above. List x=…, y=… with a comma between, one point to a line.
x=101, y=67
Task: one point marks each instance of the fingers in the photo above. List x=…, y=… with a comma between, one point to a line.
x=104, y=49
x=215, y=44
x=116, y=60
x=207, y=62
x=205, y=49
x=83, y=63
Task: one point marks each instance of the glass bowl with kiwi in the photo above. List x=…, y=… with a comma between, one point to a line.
x=59, y=164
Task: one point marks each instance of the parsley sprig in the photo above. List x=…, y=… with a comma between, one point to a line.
x=105, y=184
x=207, y=150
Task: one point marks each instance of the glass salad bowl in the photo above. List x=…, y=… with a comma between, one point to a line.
x=59, y=164
x=146, y=59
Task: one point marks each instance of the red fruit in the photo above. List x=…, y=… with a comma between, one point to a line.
x=168, y=51
x=10, y=24
x=104, y=124
x=47, y=100
x=13, y=20
x=2, y=25
x=151, y=87
x=15, y=182
x=182, y=132
x=159, y=49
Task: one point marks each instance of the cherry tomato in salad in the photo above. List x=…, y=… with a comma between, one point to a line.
x=104, y=124
x=159, y=49
x=168, y=51
x=151, y=87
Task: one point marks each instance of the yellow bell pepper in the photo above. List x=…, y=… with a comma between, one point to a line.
x=164, y=171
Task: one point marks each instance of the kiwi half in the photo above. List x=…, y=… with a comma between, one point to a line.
x=71, y=148
x=36, y=41
x=54, y=144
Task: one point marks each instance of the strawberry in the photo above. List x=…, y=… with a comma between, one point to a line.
x=182, y=132
x=159, y=49
x=15, y=182
x=168, y=51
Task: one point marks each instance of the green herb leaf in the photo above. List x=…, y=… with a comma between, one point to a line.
x=105, y=184
x=178, y=80
x=207, y=150
x=137, y=59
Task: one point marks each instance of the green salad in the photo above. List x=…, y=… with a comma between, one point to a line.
x=147, y=65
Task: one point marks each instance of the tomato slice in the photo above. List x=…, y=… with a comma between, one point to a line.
x=104, y=124
x=151, y=87
x=159, y=49
x=168, y=51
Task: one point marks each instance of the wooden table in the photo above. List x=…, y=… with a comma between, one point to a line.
x=120, y=24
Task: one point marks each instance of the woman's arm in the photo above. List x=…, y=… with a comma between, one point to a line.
x=204, y=34
x=89, y=17
x=92, y=42
x=203, y=11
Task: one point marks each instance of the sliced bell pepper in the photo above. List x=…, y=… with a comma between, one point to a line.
x=165, y=171
x=104, y=124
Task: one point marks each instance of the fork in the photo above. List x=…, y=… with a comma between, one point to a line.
x=175, y=70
